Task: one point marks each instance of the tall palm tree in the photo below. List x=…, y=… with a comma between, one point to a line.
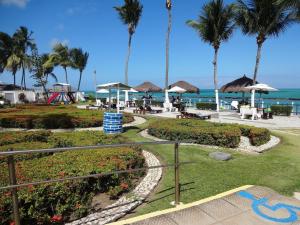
x=169, y=7
x=9, y=59
x=60, y=56
x=130, y=14
x=215, y=25
x=23, y=42
x=79, y=60
x=263, y=18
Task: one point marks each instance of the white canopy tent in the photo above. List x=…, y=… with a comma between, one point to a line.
x=259, y=87
x=177, y=89
x=116, y=86
x=131, y=90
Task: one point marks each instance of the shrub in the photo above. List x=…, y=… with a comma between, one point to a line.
x=18, y=137
x=71, y=199
x=200, y=132
x=281, y=110
x=208, y=133
x=206, y=106
x=61, y=142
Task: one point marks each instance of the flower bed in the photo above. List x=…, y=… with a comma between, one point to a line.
x=60, y=202
x=52, y=117
x=207, y=133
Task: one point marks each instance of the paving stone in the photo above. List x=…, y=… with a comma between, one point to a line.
x=219, y=209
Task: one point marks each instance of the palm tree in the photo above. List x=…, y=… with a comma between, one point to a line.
x=215, y=25
x=79, y=60
x=9, y=60
x=130, y=14
x=263, y=18
x=169, y=7
x=23, y=42
x=39, y=72
x=60, y=56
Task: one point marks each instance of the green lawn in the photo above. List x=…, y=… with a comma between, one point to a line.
x=278, y=169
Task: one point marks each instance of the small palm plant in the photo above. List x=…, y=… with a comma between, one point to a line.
x=263, y=18
x=215, y=25
x=79, y=60
x=130, y=14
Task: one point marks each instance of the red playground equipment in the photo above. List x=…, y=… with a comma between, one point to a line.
x=61, y=93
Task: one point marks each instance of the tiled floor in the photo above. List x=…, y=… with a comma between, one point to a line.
x=235, y=210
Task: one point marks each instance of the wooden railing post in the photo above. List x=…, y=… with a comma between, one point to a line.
x=177, y=184
x=14, y=194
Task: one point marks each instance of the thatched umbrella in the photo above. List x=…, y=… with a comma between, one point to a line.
x=238, y=85
x=187, y=86
x=148, y=87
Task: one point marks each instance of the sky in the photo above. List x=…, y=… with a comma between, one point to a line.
x=94, y=26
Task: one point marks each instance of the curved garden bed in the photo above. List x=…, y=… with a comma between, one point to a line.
x=207, y=133
x=60, y=202
x=52, y=117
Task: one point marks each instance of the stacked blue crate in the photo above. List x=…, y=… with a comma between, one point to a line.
x=112, y=123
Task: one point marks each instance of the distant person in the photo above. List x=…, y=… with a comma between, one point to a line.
x=178, y=99
x=173, y=99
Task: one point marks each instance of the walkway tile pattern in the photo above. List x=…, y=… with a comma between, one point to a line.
x=229, y=210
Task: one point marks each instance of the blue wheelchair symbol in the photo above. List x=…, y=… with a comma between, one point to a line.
x=256, y=203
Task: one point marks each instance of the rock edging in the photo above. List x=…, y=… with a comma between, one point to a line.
x=244, y=145
x=131, y=200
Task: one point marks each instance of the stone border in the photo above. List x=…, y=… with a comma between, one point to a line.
x=137, y=121
x=244, y=145
x=131, y=200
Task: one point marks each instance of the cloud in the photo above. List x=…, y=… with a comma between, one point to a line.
x=18, y=3
x=55, y=41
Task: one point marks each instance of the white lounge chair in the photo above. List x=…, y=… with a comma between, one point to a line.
x=235, y=104
x=249, y=112
x=168, y=107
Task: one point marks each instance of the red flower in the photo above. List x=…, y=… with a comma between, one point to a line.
x=56, y=218
x=12, y=223
x=124, y=186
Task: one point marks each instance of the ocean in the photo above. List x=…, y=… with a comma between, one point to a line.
x=282, y=97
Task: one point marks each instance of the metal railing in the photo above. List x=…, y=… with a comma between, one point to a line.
x=13, y=185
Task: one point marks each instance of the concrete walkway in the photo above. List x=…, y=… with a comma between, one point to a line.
x=248, y=205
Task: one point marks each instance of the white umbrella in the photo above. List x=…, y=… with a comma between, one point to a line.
x=119, y=86
x=177, y=90
x=126, y=93
x=102, y=91
x=259, y=87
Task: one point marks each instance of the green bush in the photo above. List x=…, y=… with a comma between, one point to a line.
x=206, y=106
x=52, y=117
x=203, y=132
x=7, y=138
x=197, y=131
x=69, y=200
x=281, y=110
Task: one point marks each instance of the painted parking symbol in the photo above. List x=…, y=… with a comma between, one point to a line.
x=263, y=202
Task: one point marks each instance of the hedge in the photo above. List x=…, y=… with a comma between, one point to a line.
x=61, y=202
x=206, y=106
x=52, y=117
x=200, y=132
x=281, y=110
x=203, y=132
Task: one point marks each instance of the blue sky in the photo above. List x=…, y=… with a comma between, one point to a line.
x=95, y=26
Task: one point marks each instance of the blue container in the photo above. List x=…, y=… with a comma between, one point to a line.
x=113, y=123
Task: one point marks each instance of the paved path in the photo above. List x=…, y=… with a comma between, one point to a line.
x=249, y=205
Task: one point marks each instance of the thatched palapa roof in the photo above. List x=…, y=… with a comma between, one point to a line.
x=187, y=86
x=148, y=87
x=238, y=85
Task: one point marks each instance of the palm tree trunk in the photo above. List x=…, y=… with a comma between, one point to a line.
x=215, y=63
x=167, y=49
x=14, y=75
x=127, y=59
x=258, y=55
x=23, y=82
x=66, y=74
x=79, y=82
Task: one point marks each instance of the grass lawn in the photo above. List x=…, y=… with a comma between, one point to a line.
x=278, y=169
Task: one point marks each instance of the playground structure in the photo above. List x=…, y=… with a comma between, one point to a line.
x=62, y=93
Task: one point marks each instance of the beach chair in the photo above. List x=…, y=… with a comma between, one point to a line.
x=249, y=112
x=153, y=111
x=168, y=107
x=235, y=105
